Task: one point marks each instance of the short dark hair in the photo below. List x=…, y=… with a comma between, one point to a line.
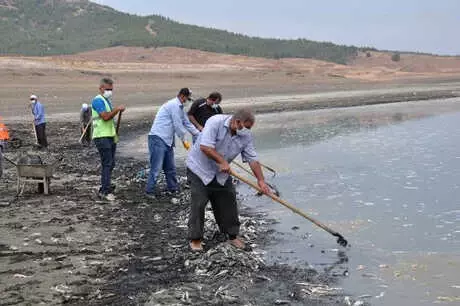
x=106, y=81
x=185, y=91
x=215, y=96
x=244, y=115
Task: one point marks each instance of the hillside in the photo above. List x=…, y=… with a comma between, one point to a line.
x=51, y=27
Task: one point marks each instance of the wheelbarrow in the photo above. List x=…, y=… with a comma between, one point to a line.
x=41, y=174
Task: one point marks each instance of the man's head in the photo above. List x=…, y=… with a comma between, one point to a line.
x=33, y=98
x=106, y=87
x=214, y=98
x=242, y=122
x=184, y=95
x=84, y=107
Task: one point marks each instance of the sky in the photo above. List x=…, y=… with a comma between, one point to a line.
x=429, y=26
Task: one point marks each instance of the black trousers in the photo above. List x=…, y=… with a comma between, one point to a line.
x=223, y=203
x=41, y=135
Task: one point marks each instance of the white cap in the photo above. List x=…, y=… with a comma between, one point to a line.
x=33, y=97
x=84, y=106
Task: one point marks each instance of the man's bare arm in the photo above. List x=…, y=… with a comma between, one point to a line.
x=214, y=155
x=195, y=122
x=106, y=116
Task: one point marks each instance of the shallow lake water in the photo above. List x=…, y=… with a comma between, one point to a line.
x=388, y=178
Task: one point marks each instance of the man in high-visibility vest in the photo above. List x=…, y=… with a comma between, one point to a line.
x=104, y=135
x=4, y=137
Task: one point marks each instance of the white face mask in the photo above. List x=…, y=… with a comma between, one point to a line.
x=107, y=94
x=215, y=106
x=243, y=132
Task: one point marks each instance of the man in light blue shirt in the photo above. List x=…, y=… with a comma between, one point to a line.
x=39, y=121
x=170, y=120
x=222, y=140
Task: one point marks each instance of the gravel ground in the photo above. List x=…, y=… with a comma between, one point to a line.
x=68, y=247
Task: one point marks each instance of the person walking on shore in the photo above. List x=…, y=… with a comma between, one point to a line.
x=202, y=109
x=169, y=120
x=223, y=138
x=85, y=124
x=104, y=135
x=38, y=112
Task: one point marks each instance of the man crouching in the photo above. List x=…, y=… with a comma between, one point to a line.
x=223, y=138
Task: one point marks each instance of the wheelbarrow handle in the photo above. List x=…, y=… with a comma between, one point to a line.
x=9, y=160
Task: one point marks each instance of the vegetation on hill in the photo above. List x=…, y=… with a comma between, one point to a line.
x=48, y=27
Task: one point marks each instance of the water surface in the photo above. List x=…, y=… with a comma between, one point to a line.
x=388, y=178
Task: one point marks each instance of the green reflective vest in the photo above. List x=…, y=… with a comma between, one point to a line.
x=102, y=128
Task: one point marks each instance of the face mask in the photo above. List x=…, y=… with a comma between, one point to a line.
x=243, y=132
x=107, y=94
x=215, y=106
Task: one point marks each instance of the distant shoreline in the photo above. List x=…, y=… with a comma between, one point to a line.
x=295, y=102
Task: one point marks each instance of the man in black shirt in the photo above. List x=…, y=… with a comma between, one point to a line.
x=203, y=109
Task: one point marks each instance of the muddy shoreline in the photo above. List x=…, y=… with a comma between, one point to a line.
x=70, y=248
x=262, y=101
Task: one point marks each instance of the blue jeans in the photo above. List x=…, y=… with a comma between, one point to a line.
x=106, y=148
x=161, y=157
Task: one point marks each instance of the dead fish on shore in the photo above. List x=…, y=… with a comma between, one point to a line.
x=319, y=289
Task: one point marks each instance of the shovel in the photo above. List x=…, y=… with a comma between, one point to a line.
x=340, y=239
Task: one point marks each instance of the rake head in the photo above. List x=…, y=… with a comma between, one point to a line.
x=340, y=240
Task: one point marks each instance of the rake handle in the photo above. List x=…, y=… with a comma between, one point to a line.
x=118, y=122
x=286, y=204
x=250, y=173
x=268, y=168
x=84, y=131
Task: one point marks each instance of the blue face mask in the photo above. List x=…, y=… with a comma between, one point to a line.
x=243, y=132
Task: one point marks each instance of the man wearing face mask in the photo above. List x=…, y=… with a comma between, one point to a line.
x=203, y=109
x=39, y=121
x=104, y=135
x=222, y=140
x=170, y=120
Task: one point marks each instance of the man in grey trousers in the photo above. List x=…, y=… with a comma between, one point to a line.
x=223, y=138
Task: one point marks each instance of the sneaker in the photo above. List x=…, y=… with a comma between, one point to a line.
x=107, y=197
x=196, y=246
x=172, y=193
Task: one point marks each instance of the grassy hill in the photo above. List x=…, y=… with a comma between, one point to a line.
x=49, y=27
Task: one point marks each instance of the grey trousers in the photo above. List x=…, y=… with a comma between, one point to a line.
x=223, y=203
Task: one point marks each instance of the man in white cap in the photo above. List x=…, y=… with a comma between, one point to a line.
x=85, y=124
x=39, y=121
